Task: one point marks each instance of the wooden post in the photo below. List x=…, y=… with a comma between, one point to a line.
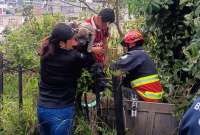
x=20, y=87
x=116, y=82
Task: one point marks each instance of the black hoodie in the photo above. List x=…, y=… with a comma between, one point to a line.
x=59, y=74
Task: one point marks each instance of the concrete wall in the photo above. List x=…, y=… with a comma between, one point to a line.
x=11, y=21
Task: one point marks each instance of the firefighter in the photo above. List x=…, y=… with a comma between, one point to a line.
x=141, y=74
x=190, y=124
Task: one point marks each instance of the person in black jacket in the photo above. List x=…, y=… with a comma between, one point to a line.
x=60, y=68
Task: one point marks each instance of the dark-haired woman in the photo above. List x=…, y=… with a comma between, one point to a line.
x=60, y=68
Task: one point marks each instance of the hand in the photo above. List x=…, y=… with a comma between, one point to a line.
x=98, y=50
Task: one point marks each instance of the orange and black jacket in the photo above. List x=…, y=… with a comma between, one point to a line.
x=141, y=74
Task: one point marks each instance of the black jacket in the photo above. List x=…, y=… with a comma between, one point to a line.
x=136, y=63
x=59, y=74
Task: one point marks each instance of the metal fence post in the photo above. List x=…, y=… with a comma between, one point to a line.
x=1, y=75
x=20, y=87
x=98, y=109
x=1, y=80
x=86, y=107
x=117, y=91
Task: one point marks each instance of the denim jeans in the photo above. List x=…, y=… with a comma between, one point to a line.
x=56, y=121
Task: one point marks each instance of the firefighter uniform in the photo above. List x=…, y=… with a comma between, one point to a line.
x=141, y=72
x=190, y=124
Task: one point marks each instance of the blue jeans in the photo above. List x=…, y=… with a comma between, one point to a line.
x=56, y=121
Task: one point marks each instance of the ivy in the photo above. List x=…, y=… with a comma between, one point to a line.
x=175, y=24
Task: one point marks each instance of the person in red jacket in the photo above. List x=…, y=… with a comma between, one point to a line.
x=141, y=72
x=100, y=24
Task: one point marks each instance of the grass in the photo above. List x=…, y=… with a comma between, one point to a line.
x=14, y=121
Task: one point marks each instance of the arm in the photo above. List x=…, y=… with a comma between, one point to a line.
x=87, y=60
x=127, y=62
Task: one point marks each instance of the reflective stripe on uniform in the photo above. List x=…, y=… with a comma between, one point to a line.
x=91, y=104
x=144, y=80
x=150, y=95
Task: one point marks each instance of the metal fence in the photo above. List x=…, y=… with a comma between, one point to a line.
x=5, y=67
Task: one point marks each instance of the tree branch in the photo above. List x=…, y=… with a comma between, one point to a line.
x=117, y=18
x=85, y=3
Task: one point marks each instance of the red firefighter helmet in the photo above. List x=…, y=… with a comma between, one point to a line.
x=133, y=37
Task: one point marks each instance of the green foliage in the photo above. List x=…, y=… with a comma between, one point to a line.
x=28, y=12
x=14, y=121
x=174, y=28
x=137, y=23
x=167, y=21
x=137, y=7
x=82, y=127
x=22, y=43
x=192, y=51
x=84, y=82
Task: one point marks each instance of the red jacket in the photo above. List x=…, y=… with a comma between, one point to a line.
x=100, y=36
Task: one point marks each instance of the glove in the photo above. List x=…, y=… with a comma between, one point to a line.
x=99, y=85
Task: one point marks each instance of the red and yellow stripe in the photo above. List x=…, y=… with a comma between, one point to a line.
x=148, y=88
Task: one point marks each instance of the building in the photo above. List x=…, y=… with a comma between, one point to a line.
x=33, y=2
x=12, y=3
x=70, y=8
x=67, y=8
x=3, y=8
x=11, y=21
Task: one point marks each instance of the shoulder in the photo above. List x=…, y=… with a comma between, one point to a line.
x=196, y=105
x=135, y=54
x=77, y=54
x=194, y=111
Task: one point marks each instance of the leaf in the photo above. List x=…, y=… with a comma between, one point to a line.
x=197, y=11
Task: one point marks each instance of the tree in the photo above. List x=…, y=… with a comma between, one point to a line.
x=28, y=12
x=175, y=26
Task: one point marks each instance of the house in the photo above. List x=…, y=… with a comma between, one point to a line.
x=3, y=8
x=12, y=3
x=70, y=8
x=12, y=21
